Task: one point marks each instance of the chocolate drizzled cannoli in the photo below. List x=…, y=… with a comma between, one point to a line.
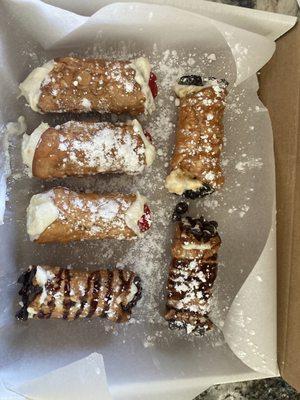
x=191, y=275
x=86, y=148
x=61, y=215
x=196, y=162
x=54, y=292
x=82, y=85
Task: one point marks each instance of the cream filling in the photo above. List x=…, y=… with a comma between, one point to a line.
x=149, y=148
x=133, y=291
x=194, y=246
x=31, y=312
x=41, y=213
x=134, y=214
x=31, y=87
x=177, y=182
x=42, y=276
x=30, y=143
x=142, y=69
x=183, y=90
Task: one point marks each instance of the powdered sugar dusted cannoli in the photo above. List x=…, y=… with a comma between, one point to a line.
x=82, y=85
x=54, y=292
x=192, y=273
x=61, y=215
x=86, y=148
x=196, y=162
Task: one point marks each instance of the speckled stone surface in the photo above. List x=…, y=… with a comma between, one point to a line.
x=264, y=389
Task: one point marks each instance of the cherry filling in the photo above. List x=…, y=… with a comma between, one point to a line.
x=152, y=84
x=144, y=222
x=148, y=136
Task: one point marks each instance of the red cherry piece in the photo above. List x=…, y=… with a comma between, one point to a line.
x=145, y=220
x=152, y=84
x=148, y=135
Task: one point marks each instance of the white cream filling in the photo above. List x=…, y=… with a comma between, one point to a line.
x=194, y=246
x=41, y=213
x=30, y=143
x=177, y=182
x=134, y=214
x=31, y=312
x=183, y=90
x=133, y=291
x=31, y=86
x=142, y=69
x=149, y=148
x=42, y=276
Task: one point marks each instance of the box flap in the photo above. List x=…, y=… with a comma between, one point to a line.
x=280, y=92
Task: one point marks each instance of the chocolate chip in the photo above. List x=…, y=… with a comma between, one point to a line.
x=180, y=209
x=201, y=192
x=172, y=325
x=22, y=315
x=197, y=233
x=195, y=80
x=200, y=331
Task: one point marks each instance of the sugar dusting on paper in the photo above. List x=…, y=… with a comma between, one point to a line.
x=8, y=135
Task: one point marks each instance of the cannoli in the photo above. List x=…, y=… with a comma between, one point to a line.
x=82, y=85
x=196, y=163
x=54, y=292
x=192, y=273
x=86, y=148
x=61, y=215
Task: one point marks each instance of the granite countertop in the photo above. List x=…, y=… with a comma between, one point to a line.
x=264, y=389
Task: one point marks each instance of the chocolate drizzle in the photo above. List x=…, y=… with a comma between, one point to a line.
x=95, y=293
x=105, y=286
x=137, y=296
x=84, y=298
x=108, y=295
x=67, y=303
x=29, y=292
x=53, y=288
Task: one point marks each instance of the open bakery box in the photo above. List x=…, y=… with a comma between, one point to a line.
x=145, y=360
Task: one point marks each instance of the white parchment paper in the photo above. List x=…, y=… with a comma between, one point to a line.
x=143, y=357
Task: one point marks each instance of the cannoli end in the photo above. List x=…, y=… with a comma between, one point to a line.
x=31, y=86
x=138, y=215
x=178, y=182
x=149, y=148
x=189, y=84
x=142, y=70
x=41, y=213
x=30, y=143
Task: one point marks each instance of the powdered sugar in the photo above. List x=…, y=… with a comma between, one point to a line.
x=102, y=147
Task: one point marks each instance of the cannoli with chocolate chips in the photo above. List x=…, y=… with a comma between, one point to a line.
x=192, y=273
x=54, y=292
x=81, y=85
x=87, y=148
x=61, y=215
x=196, y=163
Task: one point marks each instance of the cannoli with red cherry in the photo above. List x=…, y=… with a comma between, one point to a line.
x=69, y=294
x=87, y=148
x=81, y=85
x=196, y=163
x=62, y=215
x=192, y=273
